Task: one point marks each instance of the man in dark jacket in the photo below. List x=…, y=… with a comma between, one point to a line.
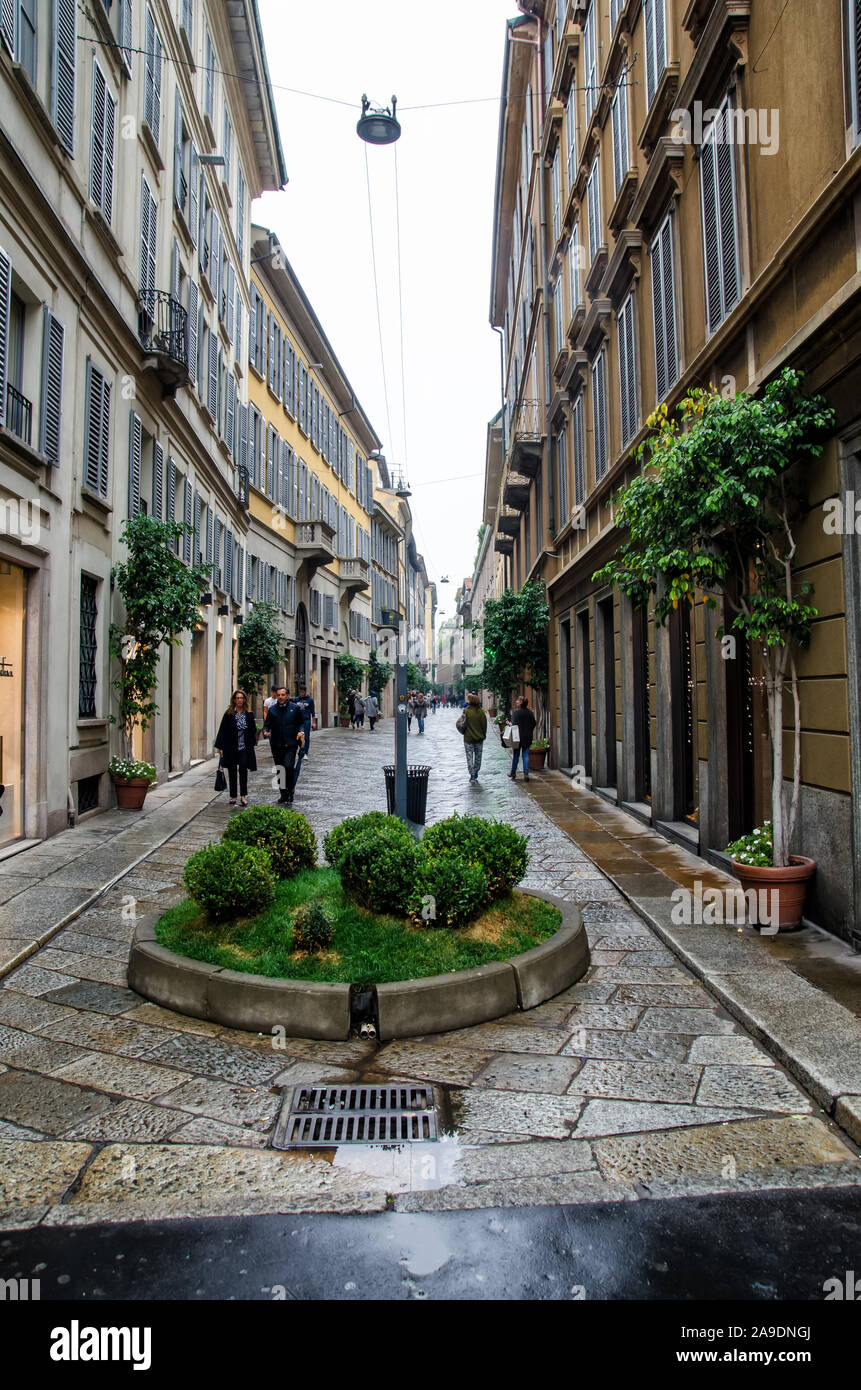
x=284, y=721
x=524, y=721
x=305, y=703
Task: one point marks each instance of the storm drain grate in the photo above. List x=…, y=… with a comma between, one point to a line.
x=320, y=1116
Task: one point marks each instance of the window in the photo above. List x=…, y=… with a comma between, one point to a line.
x=561, y=7
x=102, y=146
x=227, y=146
x=18, y=28
x=593, y=207
x=616, y=8
x=63, y=71
x=655, y=38
x=627, y=370
x=548, y=64
x=97, y=426
x=664, y=309
x=87, y=648
x=557, y=316
x=125, y=34
x=853, y=26
x=561, y=478
x=240, y=216
x=720, y=227
x=619, y=111
x=599, y=412
x=571, y=133
x=579, y=451
x=591, y=69
x=557, y=210
x=186, y=18
x=574, y=267
x=208, y=77
x=152, y=77
x=329, y=611
x=149, y=213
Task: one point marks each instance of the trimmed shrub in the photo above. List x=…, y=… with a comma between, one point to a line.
x=447, y=892
x=312, y=928
x=336, y=841
x=230, y=880
x=497, y=849
x=286, y=836
x=378, y=869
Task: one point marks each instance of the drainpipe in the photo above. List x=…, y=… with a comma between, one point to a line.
x=544, y=284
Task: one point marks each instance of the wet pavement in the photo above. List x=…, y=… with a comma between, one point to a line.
x=636, y=1083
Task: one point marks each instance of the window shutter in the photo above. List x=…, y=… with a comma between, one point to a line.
x=591, y=74
x=728, y=228
x=593, y=203
x=148, y=239
x=230, y=414
x=135, y=446
x=171, y=492
x=599, y=414
x=97, y=406
x=126, y=34
x=627, y=370
x=157, y=480
x=216, y=553
x=152, y=78
x=228, y=562
x=238, y=573
x=209, y=535
x=240, y=216
x=186, y=517
x=193, y=194
x=212, y=382
x=63, y=72
x=97, y=142
x=249, y=575
x=178, y=153
x=242, y=447
x=620, y=137
x=7, y=24
x=195, y=550
x=711, y=240
x=192, y=330
x=649, y=34
x=231, y=300
x=52, y=385
x=252, y=327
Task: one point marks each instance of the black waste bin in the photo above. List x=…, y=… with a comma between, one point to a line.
x=417, y=792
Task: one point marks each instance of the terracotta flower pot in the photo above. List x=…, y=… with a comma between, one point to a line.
x=785, y=889
x=345, y=721
x=131, y=792
x=537, y=757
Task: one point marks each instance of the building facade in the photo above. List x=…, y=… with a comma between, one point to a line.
x=664, y=219
x=132, y=141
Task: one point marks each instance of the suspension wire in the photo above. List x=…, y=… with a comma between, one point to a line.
x=377, y=293
x=401, y=314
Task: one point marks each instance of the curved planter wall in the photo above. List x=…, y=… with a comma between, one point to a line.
x=406, y=1009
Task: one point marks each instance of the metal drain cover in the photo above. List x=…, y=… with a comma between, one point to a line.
x=320, y=1116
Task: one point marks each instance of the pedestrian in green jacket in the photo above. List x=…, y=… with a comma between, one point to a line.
x=473, y=725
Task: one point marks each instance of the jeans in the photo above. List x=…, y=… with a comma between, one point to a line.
x=518, y=753
x=473, y=759
x=372, y=719
x=421, y=720
x=242, y=769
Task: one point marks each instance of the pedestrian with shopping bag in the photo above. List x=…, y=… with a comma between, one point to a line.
x=522, y=728
x=236, y=741
x=472, y=723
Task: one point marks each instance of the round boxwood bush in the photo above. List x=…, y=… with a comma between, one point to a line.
x=312, y=928
x=448, y=892
x=286, y=836
x=230, y=880
x=378, y=869
x=336, y=841
x=498, y=849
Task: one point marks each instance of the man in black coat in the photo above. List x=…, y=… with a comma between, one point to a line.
x=284, y=721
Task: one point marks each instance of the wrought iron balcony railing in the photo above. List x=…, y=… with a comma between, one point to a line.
x=19, y=414
x=526, y=438
x=163, y=325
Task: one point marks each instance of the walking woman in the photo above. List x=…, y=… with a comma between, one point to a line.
x=524, y=721
x=235, y=741
x=372, y=709
x=473, y=725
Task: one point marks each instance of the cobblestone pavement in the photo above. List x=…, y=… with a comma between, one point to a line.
x=633, y=1083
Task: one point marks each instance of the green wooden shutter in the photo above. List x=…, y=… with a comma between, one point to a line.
x=135, y=447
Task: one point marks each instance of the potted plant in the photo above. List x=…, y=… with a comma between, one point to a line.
x=716, y=511
x=160, y=595
x=350, y=673
x=538, y=754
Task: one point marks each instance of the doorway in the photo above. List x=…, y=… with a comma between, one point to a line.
x=683, y=714
x=584, y=693
x=301, y=647
x=566, y=731
x=605, y=617
x=13, y=610
x=324, y=693
x=198, y=694
x=642, y=709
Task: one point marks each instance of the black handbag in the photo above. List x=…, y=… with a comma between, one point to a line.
x=220, y=779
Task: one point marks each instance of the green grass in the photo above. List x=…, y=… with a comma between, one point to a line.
x=366, y=948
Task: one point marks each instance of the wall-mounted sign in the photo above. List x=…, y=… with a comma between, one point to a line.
x=6, y=667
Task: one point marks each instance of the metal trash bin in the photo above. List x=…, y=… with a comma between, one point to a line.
x=417, y=792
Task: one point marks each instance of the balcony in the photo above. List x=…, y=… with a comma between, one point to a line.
x=314, y=546
x=509, y=523
x=503, y=544
x=355, y=574
x=163, y=334
x=515, y=492
x=19, y=414
x=527, y=438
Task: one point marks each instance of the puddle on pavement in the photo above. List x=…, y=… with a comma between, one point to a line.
x=405, y=1167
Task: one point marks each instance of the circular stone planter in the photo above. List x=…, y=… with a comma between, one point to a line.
x=405, y=1009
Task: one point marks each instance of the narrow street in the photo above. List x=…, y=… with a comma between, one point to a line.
x=634, y=1085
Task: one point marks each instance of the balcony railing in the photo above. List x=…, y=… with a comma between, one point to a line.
x=526, y=439
x=19, y=413
x=163, y=325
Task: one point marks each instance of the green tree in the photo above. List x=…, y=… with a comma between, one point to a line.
x=380, y=672
x=161, y=597
x=260, y=647
x=514, y=634
x=716, y=511
x=351, y=673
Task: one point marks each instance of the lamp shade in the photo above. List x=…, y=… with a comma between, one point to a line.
x=378, y=125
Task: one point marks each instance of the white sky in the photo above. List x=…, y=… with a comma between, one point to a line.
x=446, y=167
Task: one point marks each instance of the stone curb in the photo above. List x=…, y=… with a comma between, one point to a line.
x=409, y=1008
x=8, y=965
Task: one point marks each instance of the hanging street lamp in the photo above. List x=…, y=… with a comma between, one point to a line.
x=378, y=125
